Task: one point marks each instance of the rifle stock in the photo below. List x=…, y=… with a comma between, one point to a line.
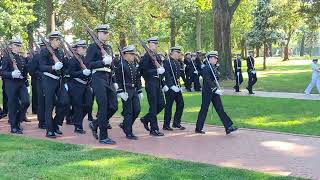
x=76, y=55
x=54, y=57
x=9, y=53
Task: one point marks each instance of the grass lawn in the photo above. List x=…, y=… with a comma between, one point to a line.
x=289, y=76
x=283, y=115
x=27, y=158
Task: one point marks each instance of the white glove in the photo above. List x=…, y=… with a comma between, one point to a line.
x=238, y=73
x=165, y=89
x=253, y=72
x=58, y=66
x=16, y=74
x=123, y=96
x=196, y=72
x=140, y=95
x=184, y=66
x=86, y=72
x=219, y=92
x=107, y=60
x=202, y=65
x=66, y=86
x=161, y=70
x=116, y=86
x=175, y=88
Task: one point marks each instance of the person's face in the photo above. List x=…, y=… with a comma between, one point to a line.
x=153, y=46
x=251, y=54
x=103, y=36
x=193, y=57
x=129, y=57
x=81, y=51
x=55, y=43
x=175, y=55
x=16, y=48
x=188, y=56
x=239, y=57
x=213, y=60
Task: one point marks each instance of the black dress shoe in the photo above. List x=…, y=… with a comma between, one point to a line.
x=131, y=137
x=70, y=123
x=145, y=124
x=251, y=92
x=199, y=131
x=51, y=134
x=179, y=127
x=109, y=126
x=26, y=120
x=94, y=129
x=16, y=131
x=107, y=141
x=230, y=130
x=58, y=132
x=2, y=115
x=79, y=131
x=122, y=127
x=167, y=128
x=156, y=133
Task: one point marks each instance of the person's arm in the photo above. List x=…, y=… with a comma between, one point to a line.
x=43, y=61
x=118, y=76
x=208, y=78
x=91, y=60
x=146, y=66
x=168, y=74
x=6, y=68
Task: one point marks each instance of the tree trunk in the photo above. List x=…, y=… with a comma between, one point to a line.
x=286, y=53
x=257, y=51
x=265, y=48
x=122, y=37
x=50, y=16
x=173, y=31
x=302, y=44
x=30, y=36
x=198, y=30
x=243, y=48
x=270, y=49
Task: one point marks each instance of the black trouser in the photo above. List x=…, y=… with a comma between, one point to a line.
x=187, y=83
x=252, y=79
x=79, y=96
x=107, y=103
x=89, y=102
x=239, y=80
x=194, y=78
x=171, y=97
x=4, y=98
x=41, y=104
x=216, y=101
x=183, y=76
x=156, y=102
x=55, y=96
x=18, y=101
x=34, y=97
x=131, y=110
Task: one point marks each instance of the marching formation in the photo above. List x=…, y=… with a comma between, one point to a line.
x=66, y=79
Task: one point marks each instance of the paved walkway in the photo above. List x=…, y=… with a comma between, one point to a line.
x=274, y=94
x=276, y=153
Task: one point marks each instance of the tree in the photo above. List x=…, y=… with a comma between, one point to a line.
x=289, y=19
x=264, y=29
x=222, y=15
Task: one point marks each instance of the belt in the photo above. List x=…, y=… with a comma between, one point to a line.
x=67, y=76
x=104, y=69
x=80, y=81
x=51, y=75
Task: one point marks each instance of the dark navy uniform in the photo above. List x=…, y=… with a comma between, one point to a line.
x=210, y=94
x=237, y=73
x=193, y=74
x=4, y=110
x=102, y=85
x=54, y=90
x=174, y=94
x=79, y=92
x=153, y=86
x=34, y=69
x=252, y=76
x=16, y=89
x=129, y=81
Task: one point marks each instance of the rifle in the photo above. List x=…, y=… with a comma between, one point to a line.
x=95, y=39
x=76, y=55
x=6, y=50
x=37, y=47
x=121, y=58
x=67, y=53
x=151, y=53
x=54, y=57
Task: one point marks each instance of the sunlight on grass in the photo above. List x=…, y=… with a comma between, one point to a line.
x=192, y=110
x=267, y=121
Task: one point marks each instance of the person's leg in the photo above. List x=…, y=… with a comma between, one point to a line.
x=206, y=99
x=179, y=109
